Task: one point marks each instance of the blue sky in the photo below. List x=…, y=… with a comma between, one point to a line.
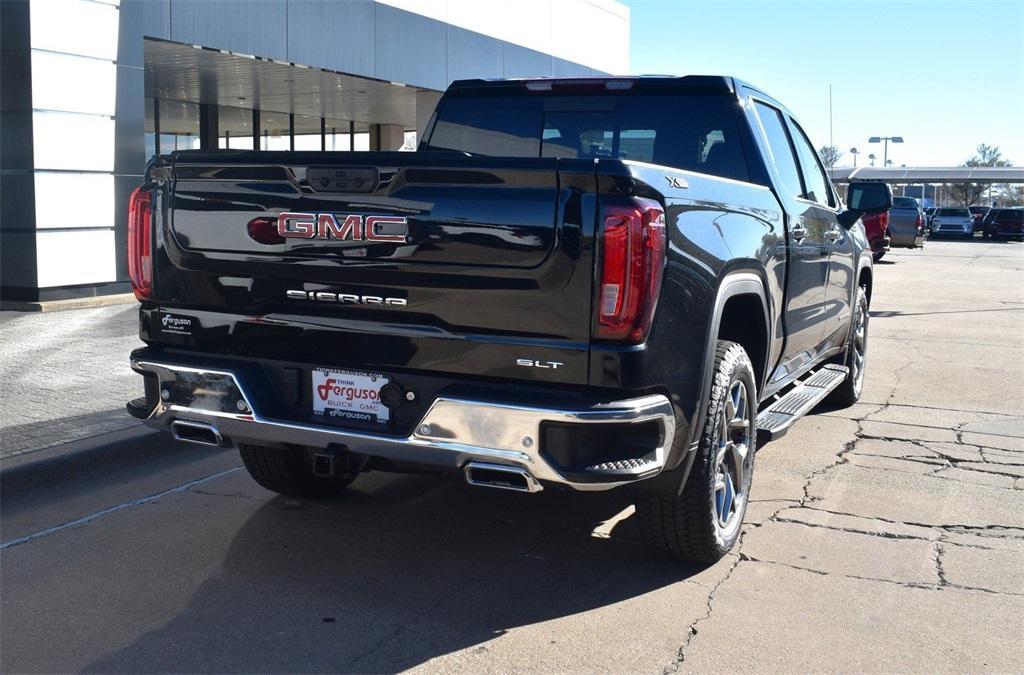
x=945, y=75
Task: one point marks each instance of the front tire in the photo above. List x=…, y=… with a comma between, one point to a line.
x=702, y=522
x=290, y=472
x=848, y=393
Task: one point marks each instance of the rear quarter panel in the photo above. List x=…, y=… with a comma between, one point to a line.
x=716, y=228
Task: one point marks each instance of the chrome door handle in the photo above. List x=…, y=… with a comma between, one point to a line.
x=799, y=232
x=834, y=235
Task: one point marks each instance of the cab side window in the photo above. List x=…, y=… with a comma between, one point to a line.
x=781, y=148
x=814, y=175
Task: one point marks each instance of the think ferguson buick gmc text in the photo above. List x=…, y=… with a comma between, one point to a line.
x=596, y=284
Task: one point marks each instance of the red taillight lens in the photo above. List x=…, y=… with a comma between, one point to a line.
x=632, y=262
x=919, y=222
x=140, y=258
x=877, y=220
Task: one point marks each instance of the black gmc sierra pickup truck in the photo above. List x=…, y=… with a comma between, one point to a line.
x=586, y=283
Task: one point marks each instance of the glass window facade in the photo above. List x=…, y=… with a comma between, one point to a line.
x=274, y=131
x=177, y=123
x=234, y=128
x=307, y=132
x=174, y=125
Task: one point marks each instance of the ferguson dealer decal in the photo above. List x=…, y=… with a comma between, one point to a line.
x=342, y=227
x=177, y=324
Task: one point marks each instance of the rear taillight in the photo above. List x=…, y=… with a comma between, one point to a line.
x=632, y=259
x=140, y=257
x=879, y=220
x=919, y=222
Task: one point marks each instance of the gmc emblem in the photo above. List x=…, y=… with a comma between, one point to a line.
x=354, y=227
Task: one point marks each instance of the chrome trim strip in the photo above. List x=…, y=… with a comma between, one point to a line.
x=452, y=433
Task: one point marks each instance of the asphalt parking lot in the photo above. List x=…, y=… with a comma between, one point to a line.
x=885, y=537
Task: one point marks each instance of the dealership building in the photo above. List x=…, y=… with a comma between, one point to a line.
x=90, y=89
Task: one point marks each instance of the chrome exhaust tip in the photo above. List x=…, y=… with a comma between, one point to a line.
x=200, y=433
x=501, y=477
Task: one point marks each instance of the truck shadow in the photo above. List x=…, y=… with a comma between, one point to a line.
x=402, y=570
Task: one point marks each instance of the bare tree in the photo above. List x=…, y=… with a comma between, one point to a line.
x=968, y=194
x=830, y=155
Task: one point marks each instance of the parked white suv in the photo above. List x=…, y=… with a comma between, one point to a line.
x=953, y=220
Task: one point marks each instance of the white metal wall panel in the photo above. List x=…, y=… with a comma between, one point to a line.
x=71, y=141
x=70, y=258
x=74, y=199
x=594, y=33
x=73, y=83
x=74, y=27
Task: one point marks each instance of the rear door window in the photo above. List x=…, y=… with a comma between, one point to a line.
x=780, y=147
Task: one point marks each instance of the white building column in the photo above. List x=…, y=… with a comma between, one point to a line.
x=386, y=136
x=426, y=101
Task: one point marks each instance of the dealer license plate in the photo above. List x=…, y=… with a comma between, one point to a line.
x=349, y=394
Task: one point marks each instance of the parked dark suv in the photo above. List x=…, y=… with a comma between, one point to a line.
x=1004, y=223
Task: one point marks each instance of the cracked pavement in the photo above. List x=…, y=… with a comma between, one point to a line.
x=884, y=537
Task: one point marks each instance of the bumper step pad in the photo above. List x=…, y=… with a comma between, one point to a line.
x=774, y=421
x=626, y=467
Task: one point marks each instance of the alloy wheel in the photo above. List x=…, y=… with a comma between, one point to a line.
x=734, y=459
x=858, y=353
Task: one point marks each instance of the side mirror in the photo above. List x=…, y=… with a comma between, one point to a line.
x=864, y=199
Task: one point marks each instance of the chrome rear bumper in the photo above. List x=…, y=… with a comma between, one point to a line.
x=451, y=434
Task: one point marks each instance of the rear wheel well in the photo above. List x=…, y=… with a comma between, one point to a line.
x=743, y=322
x=864, y=281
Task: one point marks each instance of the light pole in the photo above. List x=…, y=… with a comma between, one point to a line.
x=854, y=152
x=872, y=158
x=885, y=140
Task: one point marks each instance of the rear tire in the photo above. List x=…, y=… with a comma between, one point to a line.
x=848, y=393
x=290, y=472
x=703, y=521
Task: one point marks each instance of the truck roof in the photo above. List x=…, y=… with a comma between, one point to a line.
x=717, y=84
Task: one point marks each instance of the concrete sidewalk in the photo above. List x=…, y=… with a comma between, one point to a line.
x=64, y=376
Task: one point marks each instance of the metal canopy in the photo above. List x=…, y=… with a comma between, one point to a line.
x=187, y=73
x=934, y=174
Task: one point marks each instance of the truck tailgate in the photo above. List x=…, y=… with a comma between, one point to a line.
x=413, y=260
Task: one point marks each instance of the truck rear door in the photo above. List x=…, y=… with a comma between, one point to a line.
x=807, y=232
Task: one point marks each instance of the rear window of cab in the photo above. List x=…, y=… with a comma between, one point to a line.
x=690, y=132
